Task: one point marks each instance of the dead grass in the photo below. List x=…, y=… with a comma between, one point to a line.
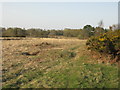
x=58, y=63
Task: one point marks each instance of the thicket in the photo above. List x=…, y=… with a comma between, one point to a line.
x=107, y=43
x=13, y=32
x=84, y=33
x=19, y=32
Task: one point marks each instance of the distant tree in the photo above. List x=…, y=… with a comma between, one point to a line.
x=20, y=32
x=11, y=32
x=110, y=27
x=2, y=31
x=32, y=32
x=114, y=27
x=44, y=33
x=52, y=33
x=101, y=24
x=99, y=30
x=59, y=32
x=87, y=31
x=67, y=32
x=71, y=32
x=37, y=33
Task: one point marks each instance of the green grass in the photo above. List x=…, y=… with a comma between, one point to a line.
x=68, y=68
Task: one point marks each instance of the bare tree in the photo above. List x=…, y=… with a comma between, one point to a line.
x=100, y=24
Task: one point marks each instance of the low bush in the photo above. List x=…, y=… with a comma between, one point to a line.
x=67, y=54
x=107, y=43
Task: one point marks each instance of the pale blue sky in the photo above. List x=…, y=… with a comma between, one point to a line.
x=59, y=15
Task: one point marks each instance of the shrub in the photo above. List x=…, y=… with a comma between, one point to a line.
x=67, y=54
x=108, y=43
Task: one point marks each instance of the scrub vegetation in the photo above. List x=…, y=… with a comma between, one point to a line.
x=69, y=58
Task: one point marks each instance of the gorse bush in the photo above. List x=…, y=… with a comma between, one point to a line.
x=108, y=43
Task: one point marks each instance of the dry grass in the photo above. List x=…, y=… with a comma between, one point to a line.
x=57, y=63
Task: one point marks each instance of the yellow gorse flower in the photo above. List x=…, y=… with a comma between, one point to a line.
x=101, y=39
x=116, y=36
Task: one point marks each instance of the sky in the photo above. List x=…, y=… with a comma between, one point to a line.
x=58, y=15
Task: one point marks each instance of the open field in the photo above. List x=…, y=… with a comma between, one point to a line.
x=54, y=63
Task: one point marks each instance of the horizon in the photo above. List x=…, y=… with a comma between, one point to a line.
x=54, y=15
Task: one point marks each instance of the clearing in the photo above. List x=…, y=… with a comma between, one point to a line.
x=54, y=63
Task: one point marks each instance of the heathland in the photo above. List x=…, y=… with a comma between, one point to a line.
x=55, y=63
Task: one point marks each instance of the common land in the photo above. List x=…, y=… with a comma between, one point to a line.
x=54, y=63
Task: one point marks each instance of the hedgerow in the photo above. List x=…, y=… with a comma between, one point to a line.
x=107, y=43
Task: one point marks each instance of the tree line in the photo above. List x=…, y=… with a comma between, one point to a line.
x=84, y=33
